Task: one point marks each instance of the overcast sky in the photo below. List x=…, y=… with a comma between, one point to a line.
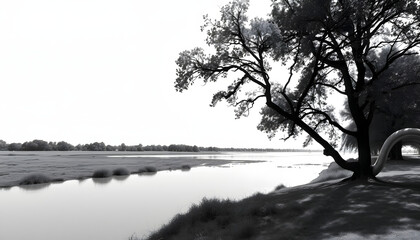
x=103, y=70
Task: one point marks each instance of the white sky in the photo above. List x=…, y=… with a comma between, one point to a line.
x=103, y=70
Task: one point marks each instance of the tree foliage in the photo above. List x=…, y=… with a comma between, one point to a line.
x=36, y=145
x=397, y=103
x=327, y=45
x=64, y=146
x=3, y=145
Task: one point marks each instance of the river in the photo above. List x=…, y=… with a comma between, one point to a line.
x=116, y=208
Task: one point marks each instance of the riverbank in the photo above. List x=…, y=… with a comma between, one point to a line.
x=17, y=167
x=331, y=209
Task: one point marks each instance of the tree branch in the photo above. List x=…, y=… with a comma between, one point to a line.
x=331, y=86
x=329, y=119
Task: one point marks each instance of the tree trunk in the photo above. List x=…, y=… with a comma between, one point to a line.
x=328, y=149
x=365, y=162
x=396, y=152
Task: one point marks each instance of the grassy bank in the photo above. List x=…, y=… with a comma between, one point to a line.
x=23, y=168
x=330, y=209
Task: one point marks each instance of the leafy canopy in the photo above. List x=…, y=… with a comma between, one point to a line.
x=328, y=46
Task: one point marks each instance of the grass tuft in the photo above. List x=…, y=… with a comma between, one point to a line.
x=147, y=169
x=219, y=211
x=34, y=179
x=210, y=209
x=185, y=167
x=244, y=229
x=101, y=173
x=220, y=219
x=281, y=186
x=120, y=172
x=134, y=237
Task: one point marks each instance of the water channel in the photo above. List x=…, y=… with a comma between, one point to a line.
x=116, y=208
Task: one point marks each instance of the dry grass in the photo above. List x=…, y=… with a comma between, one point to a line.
x=147, y=169
x=215, y=218
x=185, y=167
x=35, y=179
x=281, y=186
x=120, y=172
x=101, y=173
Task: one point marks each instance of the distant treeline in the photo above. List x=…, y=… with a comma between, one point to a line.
x=40, y=145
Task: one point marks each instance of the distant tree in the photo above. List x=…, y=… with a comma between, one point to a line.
x=139, y=147
x=159, y=148
x=111, y=148
x=173, y=148
x=79, y=147
x=329, y=46
x=42, y=145
x=29, y=146
x=209, y=149
x=64, y=146
x=3, y=145
x=36, y=145
x=122, y=147
x=131, y=148
x=14, y=147
x=52, y=146
x=182, y=148
x=96, y=146
x=397, y=104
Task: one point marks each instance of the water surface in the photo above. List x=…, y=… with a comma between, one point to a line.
x=115, y=208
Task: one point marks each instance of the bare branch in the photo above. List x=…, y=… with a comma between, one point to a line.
x=404, y=85
x=292, y=67
x=331, y=86
x=329, y=119
x=250, y=100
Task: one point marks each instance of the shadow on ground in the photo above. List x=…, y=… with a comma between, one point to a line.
x=385, y=209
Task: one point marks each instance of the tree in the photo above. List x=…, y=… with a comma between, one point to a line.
x=139, y=147
x=14, y=147
x=96, y=146
x=397, y=104
x=36, y=145
x=79, y=147
x=111, y=148
x=64, y=146
x=328, y=46
x=52, y=146
x=122, y=147
x=3, y=145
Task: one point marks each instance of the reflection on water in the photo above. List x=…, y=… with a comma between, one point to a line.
x=239, y=156
x=101, y=180
x=115, y=208
x=121, y=178
x=35, y=187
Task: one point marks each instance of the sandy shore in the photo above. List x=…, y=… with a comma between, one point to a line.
x=62, y=166
x=385, y=209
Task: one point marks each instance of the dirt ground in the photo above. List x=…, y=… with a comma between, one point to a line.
x=385, y=209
